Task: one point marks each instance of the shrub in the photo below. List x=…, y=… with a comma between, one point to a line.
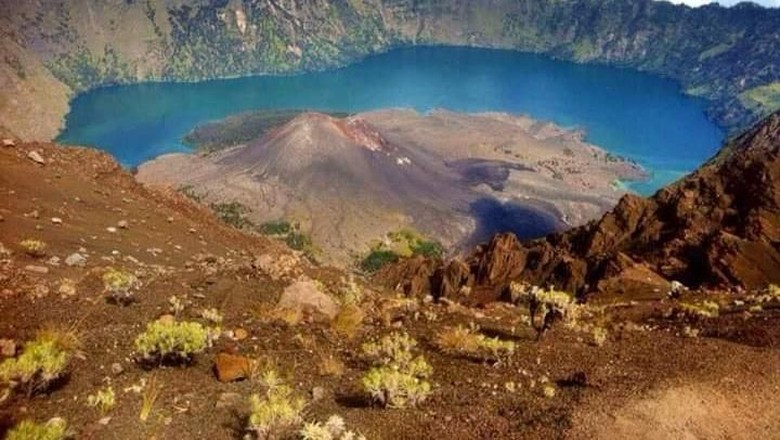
x=43, y=360
x=104, y=400
x=276, y=413
x=151, y=391
x=233, y=213
x=428, y=249
x=119, y=285
x=171, y=341
x=54, y=429
x=333, y=429
x=471, y=342
x=705, y=309
x=549, y=305
x=398, y=378
x=279, y=227
x=347, y=322
x=377, y=259
x=34, y=248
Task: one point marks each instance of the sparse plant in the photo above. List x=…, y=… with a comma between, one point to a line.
x=333, y=429
x=149, y=394
x=176, y=305
x=377, y=259
x=331, y=366
x=54, y=429
x=349, y=292
x=705, y=309
x=599, y=336
x=275, y=413
x=34, y=247
x=398, y=378
x=43, y=360
x=545, y=307
x=176, y=342
x=233, y=213
x=104, y=400
x=212, y=315
x=347, y=321
x=119, y=285
x=470, y=342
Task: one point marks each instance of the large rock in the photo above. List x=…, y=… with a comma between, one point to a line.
x=230, y=367
x=305, y=295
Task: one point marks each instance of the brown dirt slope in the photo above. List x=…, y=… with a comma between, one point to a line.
x=718, y=226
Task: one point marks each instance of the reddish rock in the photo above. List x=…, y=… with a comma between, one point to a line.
x=230, y=367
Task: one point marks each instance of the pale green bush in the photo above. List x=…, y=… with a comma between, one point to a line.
x=43, y=360
x=333, y=429
x=54, y=429
x=171, y=341
x=398, y=378
x=119, y=285
x=276, y=413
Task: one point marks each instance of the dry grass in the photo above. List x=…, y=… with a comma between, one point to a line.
x=347, y=322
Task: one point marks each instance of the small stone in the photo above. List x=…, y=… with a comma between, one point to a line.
x=240, y=334
x=192, y=230
x=111, y=229
x=7, y=347
x=167, y=319
x=317, y=393
x=231, y=367
x=36, y=157
x=53, y=261
x=34, y=214
x=9, y=143
x=104, y=421
x=123, y=224
x=227, y=400
x=56, y=220
x=117, y=368
x=37, y=269
x=76, y=259
x=2, y=219
x=170, y=219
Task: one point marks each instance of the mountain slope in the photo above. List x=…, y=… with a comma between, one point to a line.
x=453, y=177
x=727, y=55
x=718, y=226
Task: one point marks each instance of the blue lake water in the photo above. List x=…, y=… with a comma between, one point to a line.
x=640, y=116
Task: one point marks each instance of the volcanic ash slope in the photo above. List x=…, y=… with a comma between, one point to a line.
x=457, y=178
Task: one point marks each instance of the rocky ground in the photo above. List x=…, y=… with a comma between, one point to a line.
x=629, y=366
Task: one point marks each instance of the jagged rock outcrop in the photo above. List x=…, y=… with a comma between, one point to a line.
x=720, y=226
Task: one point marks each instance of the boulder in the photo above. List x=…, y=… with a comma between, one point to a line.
x=231, y=367
x=305, y=295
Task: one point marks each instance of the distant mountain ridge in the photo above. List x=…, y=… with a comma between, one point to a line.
x=727, y=55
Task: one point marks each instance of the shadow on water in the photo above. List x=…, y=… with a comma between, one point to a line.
x=526, y=221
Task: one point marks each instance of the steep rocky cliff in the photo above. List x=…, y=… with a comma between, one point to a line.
x=725, y=55
x=719, y=226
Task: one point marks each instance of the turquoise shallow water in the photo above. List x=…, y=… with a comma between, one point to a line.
x=641, y=116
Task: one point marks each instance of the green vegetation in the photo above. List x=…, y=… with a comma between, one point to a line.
x=119, y=286
x=545, y=307
x=33, y=247
x=233, y=213
x=176, y=342
x=277, y=412
x=43, y=360
x=405, y=243
x=54, y=429
x=292, y=235
x=764, y=99
x=104, y=400
x=377, y=259
x=333, y=429
x=398, y=378
x=189, y=191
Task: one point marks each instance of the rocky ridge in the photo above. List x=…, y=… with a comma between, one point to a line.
x=718, y=227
